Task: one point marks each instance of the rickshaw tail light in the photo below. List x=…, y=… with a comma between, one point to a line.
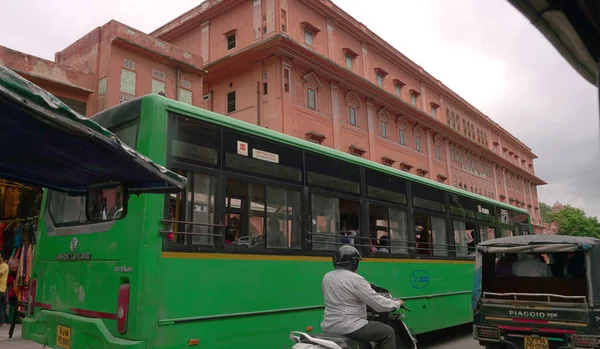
x=488, y=332
x=586, y=341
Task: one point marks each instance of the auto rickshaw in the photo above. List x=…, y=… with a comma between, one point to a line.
x=537, y=292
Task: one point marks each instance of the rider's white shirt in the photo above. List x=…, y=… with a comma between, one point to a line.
x=346, y=295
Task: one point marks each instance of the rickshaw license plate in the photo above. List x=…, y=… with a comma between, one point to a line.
x=536, y=343
x=63, y=337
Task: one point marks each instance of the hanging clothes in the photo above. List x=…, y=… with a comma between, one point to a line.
x=2, y=226
x=18, y=234
x=29, y=264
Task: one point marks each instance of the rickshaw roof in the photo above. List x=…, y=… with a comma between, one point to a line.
x=538, y=243
x=45, y=143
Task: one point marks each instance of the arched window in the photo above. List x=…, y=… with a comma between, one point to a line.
x=457, y=122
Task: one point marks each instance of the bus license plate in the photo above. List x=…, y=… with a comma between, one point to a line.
x=63, y=337
x=536, y=343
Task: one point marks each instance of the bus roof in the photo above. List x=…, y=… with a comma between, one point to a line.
x=45, y=143
x=317, y=148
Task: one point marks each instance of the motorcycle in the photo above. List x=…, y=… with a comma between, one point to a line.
x=405, y=336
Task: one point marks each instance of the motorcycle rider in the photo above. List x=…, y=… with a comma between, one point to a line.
x=346, y=296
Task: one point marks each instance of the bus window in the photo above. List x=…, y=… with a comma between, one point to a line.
x=486, y=233
x=65, y=209
x=464, y=238
x=193, y=142
x=196, y=206
x=388, y=230
x=506, y=232
x=430, y=235
x=245, y=213
x=330, y=216
x=253, y=155
x=332, y=174
x=283, y=227
x=259, y=216
x=381, y=186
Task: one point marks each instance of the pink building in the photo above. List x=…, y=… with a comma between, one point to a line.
x=304, y=68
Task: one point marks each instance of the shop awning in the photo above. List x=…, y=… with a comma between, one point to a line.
x=45, y=143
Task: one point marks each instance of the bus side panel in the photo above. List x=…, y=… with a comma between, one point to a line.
x=228, y=301
x=88, y=286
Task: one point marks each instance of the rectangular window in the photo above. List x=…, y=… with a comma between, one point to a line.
x=398, y=90
x=262, y=158
x=379, y=79
x=265, y=88
x=185, y=96
x=312, y=98
x=330, y=174
x=383, y=129
x=330, y=217
x=259, y=216
x=353, y=121
x=433, y=111
x=193, y=142
x=196, y=205
x=158, y=86
x=389, y=230
x=308, y=37
x=401, y=137
x=349, y=61
x=231, y=41
x=128, y=82
x=231, y=102
x=286, y=80
x=283, y=20
x=438, y=153
x=418, y=144
x=384, y=187
x=431, y=239
x=413, y=99
x=464, y=238
x=428, y=198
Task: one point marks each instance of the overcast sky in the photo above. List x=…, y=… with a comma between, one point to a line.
x=485, y=51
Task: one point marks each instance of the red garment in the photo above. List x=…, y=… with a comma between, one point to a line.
x=10, y=285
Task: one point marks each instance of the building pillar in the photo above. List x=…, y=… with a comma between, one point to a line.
x=495, y=179
x=335, y=115
x=329, y=42
x=371, y=127
x=430, y=151
x=204, y=41
x=448, y=160
x=287, y=104
x=505, y=174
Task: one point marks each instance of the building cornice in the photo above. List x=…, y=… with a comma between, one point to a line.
x=348, y=80
x=360, y=31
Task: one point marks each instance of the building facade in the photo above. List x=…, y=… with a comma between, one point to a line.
x=304, y=68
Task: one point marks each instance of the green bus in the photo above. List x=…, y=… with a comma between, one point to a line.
x=237, y=259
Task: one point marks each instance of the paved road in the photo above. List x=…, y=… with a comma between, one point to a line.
x=454, y=338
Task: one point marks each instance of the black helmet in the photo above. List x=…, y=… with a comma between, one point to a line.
x=346, y=257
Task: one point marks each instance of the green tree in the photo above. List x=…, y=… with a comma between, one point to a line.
x=546, y=212
x=573, y=221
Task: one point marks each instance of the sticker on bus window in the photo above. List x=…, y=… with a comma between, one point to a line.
x=242, y=148
x=265, y=156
